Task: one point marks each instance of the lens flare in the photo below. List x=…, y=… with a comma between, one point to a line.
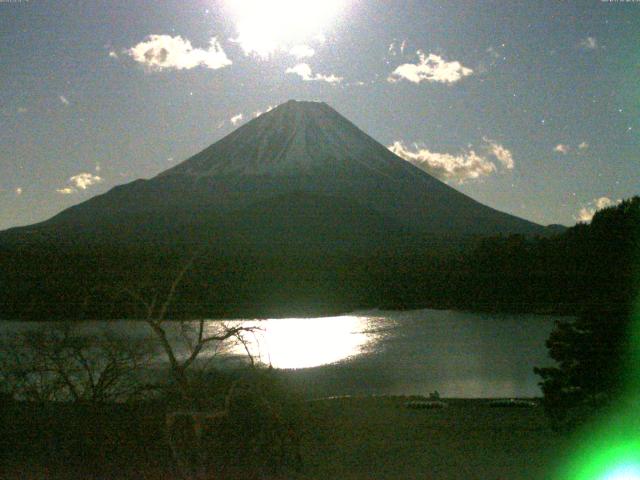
x=613, y=457
x=265, y=26
x=610, y=449
x=625, y=472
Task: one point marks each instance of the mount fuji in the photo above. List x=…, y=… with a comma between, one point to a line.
x=301, y=166
x=296, y=207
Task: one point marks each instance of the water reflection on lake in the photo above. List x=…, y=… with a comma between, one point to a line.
x=381, y=352
x=416, y=352
x=293, y=343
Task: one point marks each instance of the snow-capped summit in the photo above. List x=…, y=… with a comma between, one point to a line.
x=288, y=211
x=297, y=137
x=297, y=170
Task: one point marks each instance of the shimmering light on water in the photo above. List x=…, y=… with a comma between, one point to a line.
x=309, y=342
x=375, y=352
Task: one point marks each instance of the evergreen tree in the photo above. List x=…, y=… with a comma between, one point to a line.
x=592, y=351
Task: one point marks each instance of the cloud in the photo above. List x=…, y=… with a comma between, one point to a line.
x=563, y=148
x=432, y=68
x=82, y=181
x=18, y=191
x=586, y=213
x=236, y=119
x=257, y=113
x=303, y=70
x=85, y=180
x=604, y=202
x=502, y=154
x=466, y=166
x=302, y=51
x=160, y=52
x=589, y=43
x=63, y=100
x=395, y=49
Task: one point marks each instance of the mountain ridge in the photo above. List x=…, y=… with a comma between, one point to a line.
x=296, y=147
x=295, y=138
x=297, y=212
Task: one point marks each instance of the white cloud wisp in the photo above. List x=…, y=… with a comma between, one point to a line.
x=431, y=68
x=164, y=52
x=303, y=70
x=79, y=182
x=467, y=165
x=586, y=213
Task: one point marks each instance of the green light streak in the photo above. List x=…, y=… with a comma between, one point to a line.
x=626, y=472
x=610, y=448
x=607, y=460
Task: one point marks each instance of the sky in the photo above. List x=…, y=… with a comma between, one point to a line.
x=532, y=108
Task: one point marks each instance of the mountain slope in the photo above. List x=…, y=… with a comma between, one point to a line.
x=298, y=212
x=299, y=147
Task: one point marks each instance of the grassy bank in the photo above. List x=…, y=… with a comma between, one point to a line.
x=344, y=438
x=380, y=438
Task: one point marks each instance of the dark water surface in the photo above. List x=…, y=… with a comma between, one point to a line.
x=458, y=354
x=401, y=353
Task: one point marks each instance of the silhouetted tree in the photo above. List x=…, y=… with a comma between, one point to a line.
x=62, y=363
x=194, y=337
x=592, y=351
x=256, y=425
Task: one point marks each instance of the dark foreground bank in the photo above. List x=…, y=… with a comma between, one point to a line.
x=347, y=438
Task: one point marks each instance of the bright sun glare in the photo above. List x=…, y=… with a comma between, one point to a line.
x=265, y=26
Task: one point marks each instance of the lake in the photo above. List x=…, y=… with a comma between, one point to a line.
x=459, y=354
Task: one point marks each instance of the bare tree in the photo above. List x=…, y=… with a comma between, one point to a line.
x=23, y=375
x=197, y=336
x=62, y=363
x=256, y=415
